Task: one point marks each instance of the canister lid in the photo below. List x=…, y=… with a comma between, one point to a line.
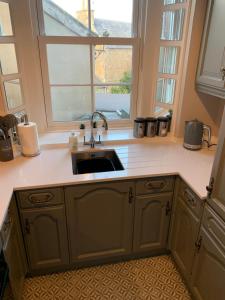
x=151, y=119
x=163, y=119
x=139, y=120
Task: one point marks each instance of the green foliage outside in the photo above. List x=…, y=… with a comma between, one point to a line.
x=126, y=89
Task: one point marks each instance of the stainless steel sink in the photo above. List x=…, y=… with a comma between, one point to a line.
x=96, y=161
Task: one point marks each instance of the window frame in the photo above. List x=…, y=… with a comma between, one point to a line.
x=133, y=41
x=179, y=63
x=11, y=39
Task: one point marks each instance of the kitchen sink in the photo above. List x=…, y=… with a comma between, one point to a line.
x=95, y=161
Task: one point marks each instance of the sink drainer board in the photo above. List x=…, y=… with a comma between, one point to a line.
x=96, y=161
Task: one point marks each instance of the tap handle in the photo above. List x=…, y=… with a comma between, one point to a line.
x=208, y=129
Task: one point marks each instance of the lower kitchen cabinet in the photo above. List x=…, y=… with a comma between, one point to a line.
x=100, y=220
x=14, y=252
x=208, y=278
x=45, y=235
x=152, y=217
x=184, y=235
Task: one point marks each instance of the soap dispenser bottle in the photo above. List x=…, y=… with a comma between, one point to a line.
x=73, y=141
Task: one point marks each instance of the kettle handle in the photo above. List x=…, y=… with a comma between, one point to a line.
x=208, y=129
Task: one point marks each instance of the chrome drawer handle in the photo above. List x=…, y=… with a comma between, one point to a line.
x=40, y=198
x=189, y=197
x=155, y=184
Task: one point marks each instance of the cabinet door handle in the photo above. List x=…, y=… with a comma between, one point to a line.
x=131, y=196
x=189, y=197
x=222, y=70
x=209, y=187
x=198, y=244
x=40, y=198
x=27, y=226
x=168, y=208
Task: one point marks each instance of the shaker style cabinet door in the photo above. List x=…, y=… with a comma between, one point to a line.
x=209, y=270
x=208, y=275
x=152, y=217
x=184, y=235
x=45, y=236
x=216, y=188
x=14, y=261
x=100, y=220
x=211, y=73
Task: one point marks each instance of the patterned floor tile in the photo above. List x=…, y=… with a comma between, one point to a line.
x=153, y=278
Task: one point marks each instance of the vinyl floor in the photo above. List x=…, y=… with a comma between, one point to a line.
x=153, y=278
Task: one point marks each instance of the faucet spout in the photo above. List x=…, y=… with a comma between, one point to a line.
x=97, y=113
x=92, y=141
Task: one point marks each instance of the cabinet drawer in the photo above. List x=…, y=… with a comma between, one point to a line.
x=154, y=185
x=40, y=198
x=192, y=200
x=214, y=225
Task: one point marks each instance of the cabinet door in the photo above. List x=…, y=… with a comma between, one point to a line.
x=184, y=236
x=14, y=261
x=100, y=220
x=213, y=50
x=45, y=237
x=217, y=195
x=208, y=278
x=152, y=216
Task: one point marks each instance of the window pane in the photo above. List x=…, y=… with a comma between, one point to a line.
x=167, y=2
x=112, y=18
x=71, y=103
x=13, y=93
x=66, y=18
x=69, y=64
x=168, y=60
x=71, y=18
x=172, y=25
x=5, y=20
x=113, y=64
x=113, y=101
x=165, y=90
x=8, y=62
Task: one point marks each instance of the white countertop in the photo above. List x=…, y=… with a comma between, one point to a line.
x=143, y=157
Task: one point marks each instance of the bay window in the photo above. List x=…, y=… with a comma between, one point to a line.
x=67, y=59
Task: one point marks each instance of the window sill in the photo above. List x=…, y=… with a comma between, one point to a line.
x=111, y=136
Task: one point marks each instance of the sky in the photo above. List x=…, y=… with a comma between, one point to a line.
x=118, y=10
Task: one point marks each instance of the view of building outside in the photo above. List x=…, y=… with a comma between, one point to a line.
x=72, y=89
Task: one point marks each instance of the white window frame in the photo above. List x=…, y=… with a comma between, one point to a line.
x=133, y=41
x=3, y=78
x=180, y=61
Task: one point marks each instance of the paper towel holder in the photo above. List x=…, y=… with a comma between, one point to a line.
x=23, y=141
x=26, y=122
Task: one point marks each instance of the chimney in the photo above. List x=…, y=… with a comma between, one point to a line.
x=82, y=15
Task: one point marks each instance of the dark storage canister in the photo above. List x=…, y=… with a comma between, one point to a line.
x=162, y=126
x=6, y=151
x=151, y=127
x=139, y=127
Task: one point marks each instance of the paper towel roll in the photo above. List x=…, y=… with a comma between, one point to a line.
x=29, y=139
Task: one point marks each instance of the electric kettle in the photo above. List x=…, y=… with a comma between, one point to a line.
x=193, y=135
